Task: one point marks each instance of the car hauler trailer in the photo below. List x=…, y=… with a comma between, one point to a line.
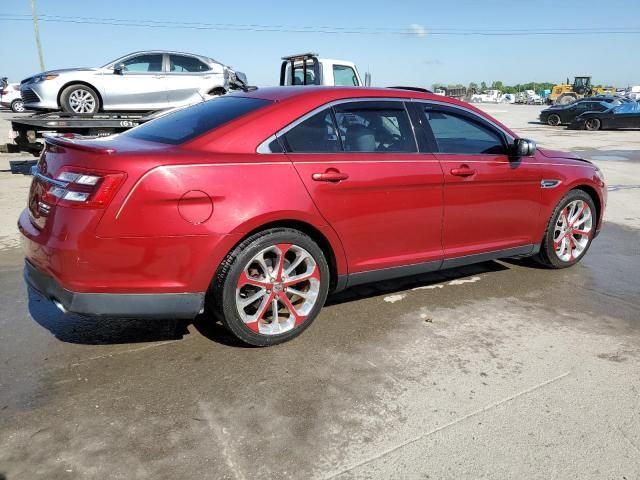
x=27, y=131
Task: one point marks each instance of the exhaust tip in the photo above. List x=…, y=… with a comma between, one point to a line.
x=58, y=304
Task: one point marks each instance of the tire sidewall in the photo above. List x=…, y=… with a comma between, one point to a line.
x=16, y=102
x=66, y=93
x=551, y=122
x=596, y=124
x=547, y=244
x=230, y=316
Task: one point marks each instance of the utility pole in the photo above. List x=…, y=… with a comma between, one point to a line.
x=37, y=32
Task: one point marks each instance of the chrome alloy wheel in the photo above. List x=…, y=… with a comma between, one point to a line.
x=82, y=101
x=573, y=230
x=277, y=289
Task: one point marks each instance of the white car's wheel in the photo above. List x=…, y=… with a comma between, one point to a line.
x=17, y=106
x=80, y=100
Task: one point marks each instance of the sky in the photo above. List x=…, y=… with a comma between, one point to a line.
x=399, y=42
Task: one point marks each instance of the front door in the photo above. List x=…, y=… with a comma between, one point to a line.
x=491, y=201
x=360, y=163
x=140, y=86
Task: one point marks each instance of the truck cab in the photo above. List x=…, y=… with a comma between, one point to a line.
x=309, y=69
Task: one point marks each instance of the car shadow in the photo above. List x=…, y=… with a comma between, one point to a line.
x=385, y=287
x=86, y=330
x=72, y=328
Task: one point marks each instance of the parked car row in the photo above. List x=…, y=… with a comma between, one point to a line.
x=594, y=113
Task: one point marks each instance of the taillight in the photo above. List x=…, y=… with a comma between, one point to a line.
x=76, y=187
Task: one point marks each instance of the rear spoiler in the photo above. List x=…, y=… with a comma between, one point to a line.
x=77, y=142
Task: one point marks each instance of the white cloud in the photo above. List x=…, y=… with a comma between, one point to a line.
x=417, y=30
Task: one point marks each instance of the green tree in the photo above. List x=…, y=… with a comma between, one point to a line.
x=483, y=86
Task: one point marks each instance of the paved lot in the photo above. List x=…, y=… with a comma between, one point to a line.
x=499, y=370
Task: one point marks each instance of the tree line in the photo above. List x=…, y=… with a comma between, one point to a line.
x=498, y=85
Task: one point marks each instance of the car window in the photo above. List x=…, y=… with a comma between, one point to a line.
x=299, y=76
x=144, y=63
x=182, y=63
x=187, y=123
x=627, y=108
x=344, y=76
x=317, y=134
x=375, y=127
x=455, y=133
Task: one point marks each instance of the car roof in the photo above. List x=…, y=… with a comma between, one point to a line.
x=327, y=93
x=171, y=52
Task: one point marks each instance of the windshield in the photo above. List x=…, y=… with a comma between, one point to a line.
x=185, y=124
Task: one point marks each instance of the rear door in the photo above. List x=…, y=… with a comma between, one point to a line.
x=361, y=165
x=140, y=86
x=187, y=76
x=491, y=201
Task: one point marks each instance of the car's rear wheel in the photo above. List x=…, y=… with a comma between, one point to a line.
x=270, y=287
x=592, y=124
x=553, y=120
x=566, y=100
x=570, y=231
x=17, y=106
x=80, y=100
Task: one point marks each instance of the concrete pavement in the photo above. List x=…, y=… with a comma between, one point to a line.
x=498, y=370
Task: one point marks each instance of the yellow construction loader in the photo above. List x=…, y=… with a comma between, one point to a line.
x=566, y=93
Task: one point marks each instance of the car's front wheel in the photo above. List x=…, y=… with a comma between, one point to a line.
x=569, y=232
x=17, y=106
x=80, y=100
x=270, y=287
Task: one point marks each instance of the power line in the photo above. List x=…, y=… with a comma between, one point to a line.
x=417, y=32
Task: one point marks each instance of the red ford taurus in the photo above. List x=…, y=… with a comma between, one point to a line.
x=252, y=207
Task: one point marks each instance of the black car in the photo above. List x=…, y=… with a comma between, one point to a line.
x=626, y=115
x=564, y=114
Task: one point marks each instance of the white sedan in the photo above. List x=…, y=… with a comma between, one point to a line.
x=10, y=98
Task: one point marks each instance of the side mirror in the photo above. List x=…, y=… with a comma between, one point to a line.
x=523, y=147
x=118, y=69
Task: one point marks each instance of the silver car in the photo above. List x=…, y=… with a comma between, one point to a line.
x=139, y=81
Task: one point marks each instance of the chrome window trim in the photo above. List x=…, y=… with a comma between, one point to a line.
x=480, y=118
x=263, y=147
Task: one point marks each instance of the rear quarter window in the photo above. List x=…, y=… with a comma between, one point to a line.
x=183, y=125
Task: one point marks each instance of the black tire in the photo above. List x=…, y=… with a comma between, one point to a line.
x=554, y=120
x=221, y=297
x=592, y=124
x=17, y=106
x=547, y=255
x=85, y=91
x=566, y=99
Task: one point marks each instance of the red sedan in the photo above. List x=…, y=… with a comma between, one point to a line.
x=252, y=207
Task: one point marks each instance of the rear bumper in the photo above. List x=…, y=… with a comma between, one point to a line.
x=127, y=305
